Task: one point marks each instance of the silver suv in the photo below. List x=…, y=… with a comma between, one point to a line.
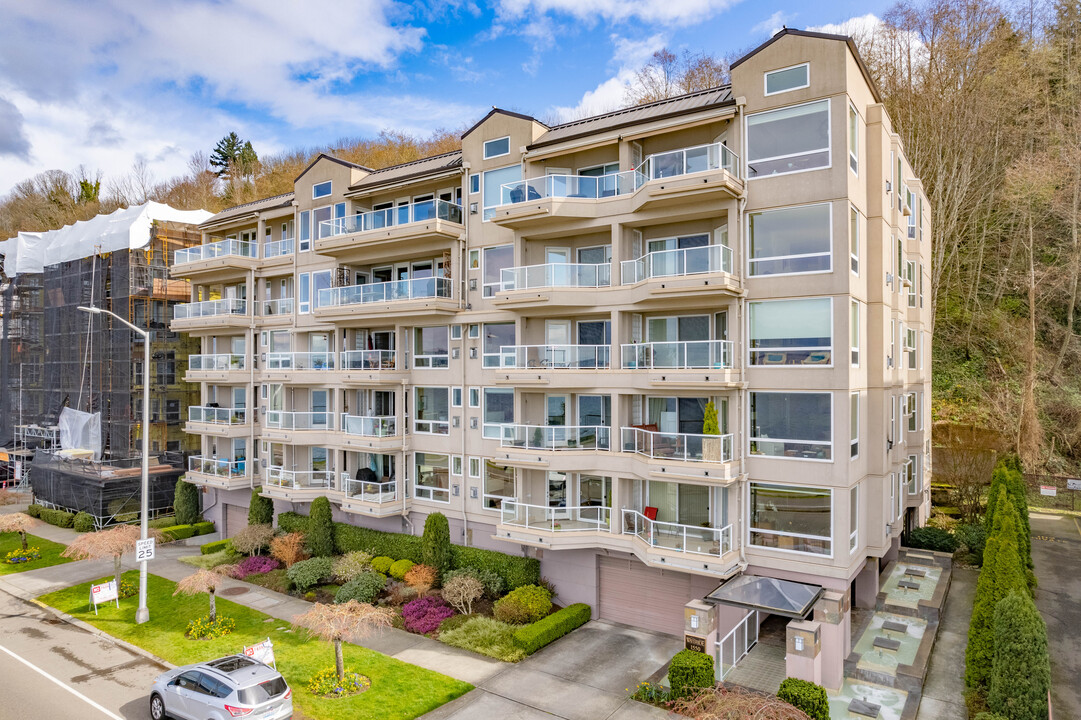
x=229, y=687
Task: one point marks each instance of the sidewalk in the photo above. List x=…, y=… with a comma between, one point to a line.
x=943, y=692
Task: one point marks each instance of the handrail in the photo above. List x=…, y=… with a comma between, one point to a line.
x=582, y=275
x=415, y=288
x=277, y=306
x=370, y=425
x=221, y=467
x=556, y=437
x=368, y=360
x=221, y=248
x=685, y=161
x=392, y=217
x=555, y=519
x=295, y=479
x=208, y=308
x=374, y=492
x=300, y=361
x=688, y=447
x=277, y=248
x=305, y=420
x=681, y=355
x=694, y=539
x=219, y=361
x=677, y=263
x=555, y=356
x=217, y=415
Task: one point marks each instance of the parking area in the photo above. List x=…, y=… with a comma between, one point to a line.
x=1056, y=553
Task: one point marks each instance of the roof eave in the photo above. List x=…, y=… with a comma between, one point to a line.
x=361, y=190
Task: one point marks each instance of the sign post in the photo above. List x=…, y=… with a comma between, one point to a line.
x=104, y=593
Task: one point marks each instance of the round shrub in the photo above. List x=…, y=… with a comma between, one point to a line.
x=806, y=696
x=421, y=578
x=351, y=565
x=364, y=588
x=493, y=584
x=523, y=605
x=321, y=528
x=308, y=573
x=84, y=522
x=932, y=538
x=382, y=564
x=691, y=670
x=424, y=615
x=399, y=568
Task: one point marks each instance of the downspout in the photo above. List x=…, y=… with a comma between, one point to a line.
x=253, y=338
x=741, y=501
x=401, y=405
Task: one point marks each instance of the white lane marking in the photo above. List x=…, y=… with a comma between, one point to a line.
x=70, y=689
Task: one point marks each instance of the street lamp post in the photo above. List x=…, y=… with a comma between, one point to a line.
x=142, y=615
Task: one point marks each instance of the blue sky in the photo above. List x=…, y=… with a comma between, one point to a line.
x=101, y=84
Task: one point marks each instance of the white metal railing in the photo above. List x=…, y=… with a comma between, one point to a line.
x=217, y=415
x=278, y=248
x=555, y=519
x=221, y=248
x=737, y=643
x=282, y=420
x=552, y=275
x=278, y=306
x=557, y=437
x=677, y=263
x=221, y=467
x=683, y=355
x=571, y=186
x=386, y=291
x=555, y=356
x=221, y=361
x=700, y=158
x=373, y=492
x=694, y=539
x=209, y=308
x=300, y=479
x=391, y=217
x=300, y=361
x=689, y=447
x=370, y=425
x=368, y=360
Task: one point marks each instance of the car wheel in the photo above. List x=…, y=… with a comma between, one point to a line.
x=157, y=707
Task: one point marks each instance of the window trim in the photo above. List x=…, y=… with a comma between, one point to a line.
x=828, y=149
x=484, y=148
x=752, y=438
x=329, y=192
x=750, y=260
x=751, y=351
x=431, y=423
x=751, y=529
x=765, y=79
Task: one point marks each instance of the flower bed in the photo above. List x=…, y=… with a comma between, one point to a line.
x=204, y=629
x=325, y=683
x=19, y=555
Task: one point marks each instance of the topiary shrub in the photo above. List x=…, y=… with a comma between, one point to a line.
x=806, y=696
x=59, y=518
x=532, y=638
x=309, y=573
x=932, y=538
x=523, y=605
x=260, y=509
x=186, y=503
x=493, y=584
x=690, y=671
x=399, y=568
x=382, y=564
x=321, y=528
x=351, y=565
x=435, y=544
x=1021, y=668
x=83, y=522
x=365, y=588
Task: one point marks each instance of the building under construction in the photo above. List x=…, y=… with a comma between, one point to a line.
x=54, y=356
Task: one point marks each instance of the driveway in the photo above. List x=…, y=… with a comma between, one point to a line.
x=1056, y=552
x=583, y=676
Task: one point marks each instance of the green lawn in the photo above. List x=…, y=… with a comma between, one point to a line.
x=399, y=690
x=50, y=552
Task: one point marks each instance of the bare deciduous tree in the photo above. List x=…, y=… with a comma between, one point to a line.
x=111, y=542
x=253, y=538
x=17, y=522
x=349, y=621
x=462, y=591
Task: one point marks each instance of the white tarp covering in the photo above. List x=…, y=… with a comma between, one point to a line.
x=80, y=431
x=125, y=229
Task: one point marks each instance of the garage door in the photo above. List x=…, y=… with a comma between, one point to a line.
x=236, y=519
x=650, y=598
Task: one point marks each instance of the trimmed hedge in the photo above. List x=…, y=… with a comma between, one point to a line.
x=59, y=518
x=932, y=538
x=34, y=510
x=690, y=670
x=203, y=528
x=527, y=604
x=806, y=696
x=532, y=638
x=217, y=546
x=516, y=571
x=177, y=532
x=161, y=523
x=84, y=522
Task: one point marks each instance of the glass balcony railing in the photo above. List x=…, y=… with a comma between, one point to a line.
x=687, y=447
x=370, y=425
x=415, y=289
x=280, y=420
x=555, y=519
x=675, y=263
x=219, y=467
x=221, y=248
x=280, y=306
x=300, y=361
x=581, y=357
x=675, y=536
x=278, y=248
x=224, y=361
x=300, y=479
x=368, y=360
x=217, y=415
x=557, y=437
x=686, y=355
x=556, y=275
x=392, y=217
x=685, y=161
x=373, y=492
x=210, y=308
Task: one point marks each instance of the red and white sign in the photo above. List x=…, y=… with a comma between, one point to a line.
x=105, y=592
x=263, y=652
x=1051, y=490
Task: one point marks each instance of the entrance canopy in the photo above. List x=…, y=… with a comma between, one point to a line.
x=779, y=597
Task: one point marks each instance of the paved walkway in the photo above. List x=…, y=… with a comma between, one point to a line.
x=943, y=690
x=1056, y=553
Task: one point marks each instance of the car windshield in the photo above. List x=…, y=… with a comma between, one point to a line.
x=262, y=692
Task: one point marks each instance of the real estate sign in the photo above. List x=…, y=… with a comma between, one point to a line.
x=263, y=652
x=103, y=593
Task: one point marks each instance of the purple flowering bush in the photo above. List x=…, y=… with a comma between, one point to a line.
x=255, y=565
x=424, y=614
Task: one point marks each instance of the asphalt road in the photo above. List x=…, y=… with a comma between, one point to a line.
x=50, y=669
x=1056, y=552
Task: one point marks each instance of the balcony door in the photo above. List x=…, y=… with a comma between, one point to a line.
x=320, y=408
x=595, y=498
x=680, y=503
x=557, y=488
x=557, y=333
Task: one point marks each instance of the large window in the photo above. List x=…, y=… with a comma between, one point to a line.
x=493, y=181
x=432, y=411
x=496, y=335
x=498, y=411
x=791, y=332
x=792, y=425
x=431, y=479
x=796, y=519
x=788, y=140
x=320, y=281
x=495, y=260
x=498, y=485
x=305, y=231
x=431, y=347
x=791, y=240
x=304, y=293
x=785, y=79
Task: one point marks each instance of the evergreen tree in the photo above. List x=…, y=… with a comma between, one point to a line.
x=435, y=544
x=186, y=503
x=999, y=479
x=234, y=158
x=321, y=528
x=1021, y=668
x=261, y=509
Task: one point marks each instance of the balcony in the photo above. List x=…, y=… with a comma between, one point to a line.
x=554, y=357
x=299, y=361
x=682, y=273
x=223, y=367
x=279, y=251
x=370, y=367
x=679, y=447
x=559, y=285
x=217, y=421
x=281, y=420
x=277, y=311
x=361, y=303
x=687, y=364
x=377, y=236
x=669, y=536
x=216, y=260
x=209, y=314
x=555, y=519
x=371, y=432
x=218, y=473
x=374, y=499
x=299, y=485
x=556, y=437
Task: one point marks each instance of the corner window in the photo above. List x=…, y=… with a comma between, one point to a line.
x=854, y=425
x=493, y=187
x=431, y=410
x=791, y=240
x=497, y=148
x=498, y=411
x=431, y=349
x=786, y=79
x=474, y=183
x=853, y=140
x=854, y=239
x=498, y=485
x=431, y=480
x=787, y=517
x=792, y=425
x=305, y=231
x=853, y=517
x=321, y=190
x=496, y=335
x=854, y=332
x=788, y=140
x=791, y=332
x=496, y=259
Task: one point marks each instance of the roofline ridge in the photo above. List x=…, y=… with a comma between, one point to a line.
x=643, y=105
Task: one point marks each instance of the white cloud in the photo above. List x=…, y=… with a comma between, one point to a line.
x=854, y=26
x=667, y=12
x=772, y=24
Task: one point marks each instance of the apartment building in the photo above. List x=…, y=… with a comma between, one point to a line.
x=678, y=352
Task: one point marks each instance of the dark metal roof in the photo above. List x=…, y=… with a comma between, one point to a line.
x=669, y=107
x=778, y=597
x=269, y=203
x=416, y=169
x=500, y=111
